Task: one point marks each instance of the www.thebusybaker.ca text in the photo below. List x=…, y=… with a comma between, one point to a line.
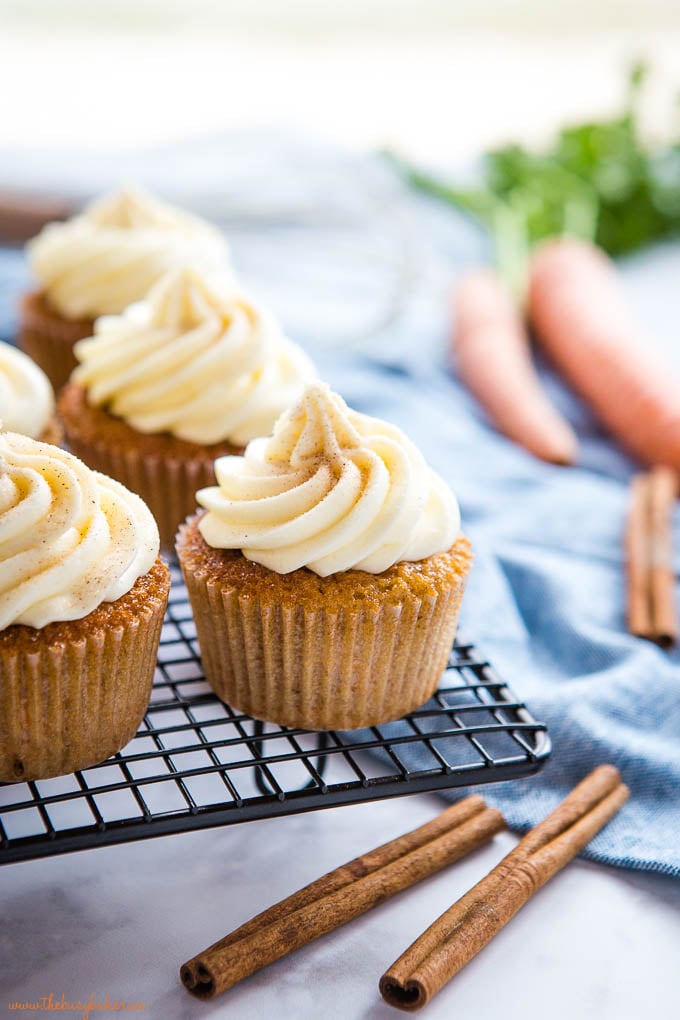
x=50, y=1003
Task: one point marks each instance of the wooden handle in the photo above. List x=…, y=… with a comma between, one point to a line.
x=23, y=213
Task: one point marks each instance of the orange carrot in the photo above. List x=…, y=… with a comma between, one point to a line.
x=493, y=358
x=578, y=309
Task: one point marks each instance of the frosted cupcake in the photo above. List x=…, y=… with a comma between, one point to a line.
x=101, y=261
x=82, y=599
x=326, y=575
x=26, y=397
x=191, y=374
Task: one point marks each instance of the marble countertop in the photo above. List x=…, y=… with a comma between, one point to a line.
x=595, y=944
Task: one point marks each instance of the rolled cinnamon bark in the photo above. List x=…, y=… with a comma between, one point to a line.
x=340, y=896
x=459, y=934
x=649, y=557
x=663, y=492
x=638, y=559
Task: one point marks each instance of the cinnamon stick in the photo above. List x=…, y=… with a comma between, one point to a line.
x=341, y=895
x=649, y=557
x=463, y=930
x=638, y=558
x=662, y=574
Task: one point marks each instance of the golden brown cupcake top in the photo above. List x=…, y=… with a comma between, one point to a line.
x=111, y=254
x=351, y=590
x=330, y=490
x=196, y=359
x=70, y=538
x=26, y=396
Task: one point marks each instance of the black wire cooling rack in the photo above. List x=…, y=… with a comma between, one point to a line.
x=195, y=762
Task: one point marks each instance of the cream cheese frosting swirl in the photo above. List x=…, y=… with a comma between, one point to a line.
x=109, y=256
x=330, y=490
x=70, y=538
x=26, y=396
x=196, y=359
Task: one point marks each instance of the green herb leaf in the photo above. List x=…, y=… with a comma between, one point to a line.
x=596, y=181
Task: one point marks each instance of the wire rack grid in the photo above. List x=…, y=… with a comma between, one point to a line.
x=195, y=762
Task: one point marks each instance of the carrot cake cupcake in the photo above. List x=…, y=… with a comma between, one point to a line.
x=99, y=262
x=194, y=372
x=327, y=574
x=26, y=397
x=82, y=598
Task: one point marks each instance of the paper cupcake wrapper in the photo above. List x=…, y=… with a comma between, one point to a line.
x=66, y=705
x=49, y=339
x=322, y=669
x=167, y=486
x=164, y=471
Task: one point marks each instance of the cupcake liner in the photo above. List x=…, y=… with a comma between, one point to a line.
x=73, y=694
x=164, y=471
x=321, y=668
x=168, y=487
x=49, y=339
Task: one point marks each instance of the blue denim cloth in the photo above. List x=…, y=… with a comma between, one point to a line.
x=546, y=598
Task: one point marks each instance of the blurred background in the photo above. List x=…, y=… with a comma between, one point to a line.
x=265, y=115
x=438, y=78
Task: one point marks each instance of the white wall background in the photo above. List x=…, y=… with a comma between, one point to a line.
x=437, y=78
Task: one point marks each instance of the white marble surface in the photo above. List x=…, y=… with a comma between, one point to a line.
x=595, y=944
